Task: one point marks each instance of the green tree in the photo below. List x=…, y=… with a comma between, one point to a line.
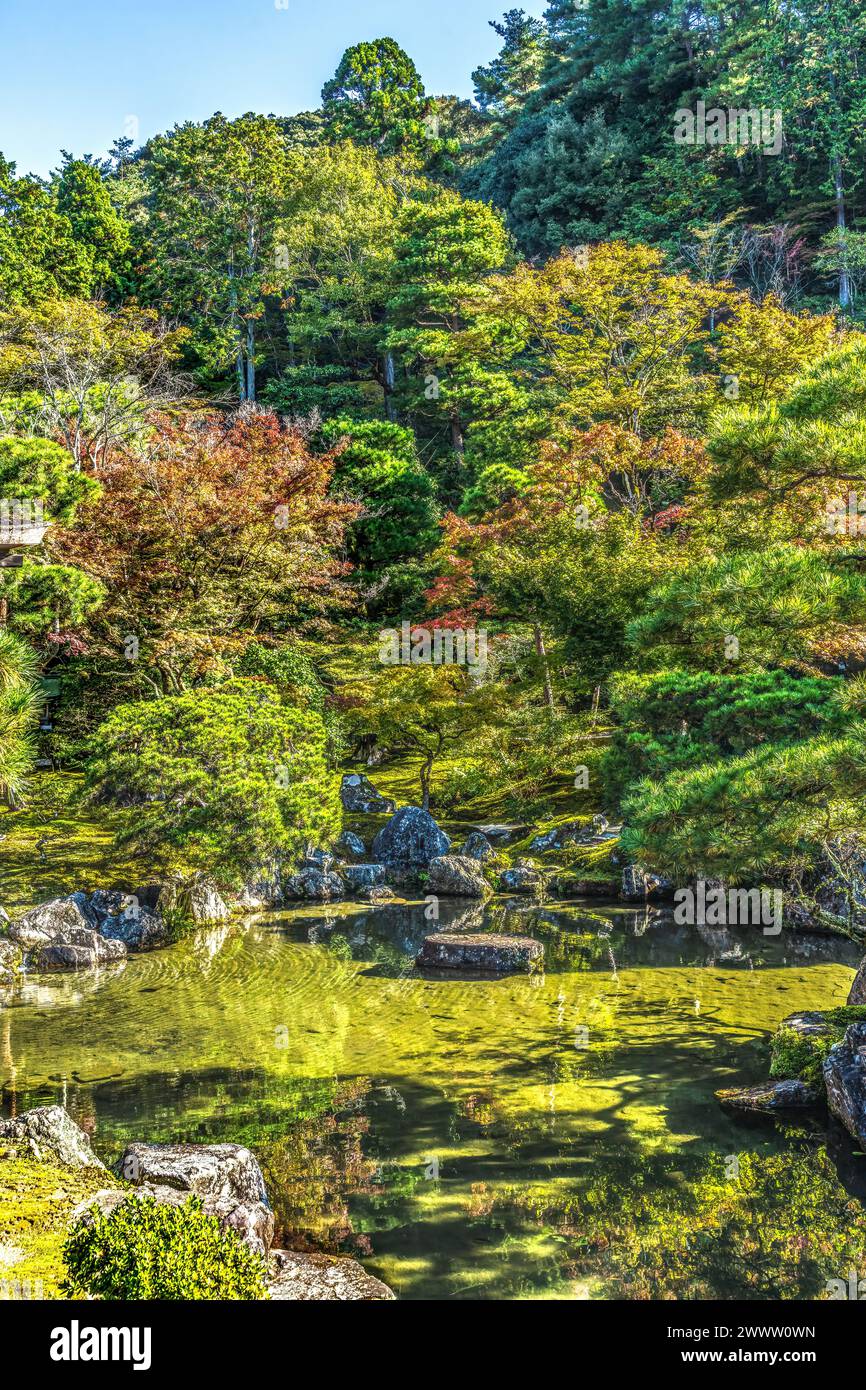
x=502, y=86
x=83, y=198
x=219, y=779
x=424, y=711
x=379, y=468
x=376, y=97
x=215, y=195
x=439, y=324
x=39, y=256
x=19, y=707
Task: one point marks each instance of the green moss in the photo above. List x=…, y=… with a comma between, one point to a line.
x=802, y=1056
x=56, y=845
x=36, y=1203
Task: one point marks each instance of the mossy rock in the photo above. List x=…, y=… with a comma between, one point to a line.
x=800, y=1046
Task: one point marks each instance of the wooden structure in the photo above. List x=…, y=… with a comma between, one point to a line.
x=22, y=524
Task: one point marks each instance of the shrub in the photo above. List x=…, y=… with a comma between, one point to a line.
x=217, y=780
x=679, y=719
x=147, y=1250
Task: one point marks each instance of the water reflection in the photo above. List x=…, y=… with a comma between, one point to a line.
x=485, y=1138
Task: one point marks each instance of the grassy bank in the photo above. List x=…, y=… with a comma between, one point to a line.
x=36, y=1203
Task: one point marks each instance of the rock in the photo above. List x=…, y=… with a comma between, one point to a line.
x=481, y=951
x=120, y=917
x=360, y=797
x=457, y=876
x=477, y=846
x=51, y=921
x=379, y=893
x=638, y=885
x=314, y=885
x=317, y=859
x=857, y=993
x=313, y=1278
x=138, y=929
x=411, y=838
x=197, y=900
x=350, y=846
x=845, y=1080
x=49, y=1133
x=11, y=962
x=87, y=950
x=358, y=876
x=226, y=1176
x=522, y=877
x=773, y=1096
x=262, y=892
x=808, y=1024
x=569, y=833
x=108, y=902
x=502, y=834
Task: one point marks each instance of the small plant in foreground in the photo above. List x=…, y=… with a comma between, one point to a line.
x=147, y=1250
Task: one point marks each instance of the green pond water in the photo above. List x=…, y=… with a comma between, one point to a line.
x=440, y=1129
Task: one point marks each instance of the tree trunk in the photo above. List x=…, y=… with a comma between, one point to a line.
x=426, y=774
x=239, y=363
x=844, y=282
x=541, y=652
x=388, y=377
x=457, y=437
x=251, y=358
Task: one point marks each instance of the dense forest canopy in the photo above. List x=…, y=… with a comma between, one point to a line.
x=580, y=362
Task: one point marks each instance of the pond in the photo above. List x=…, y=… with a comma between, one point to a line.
x=466, y=1138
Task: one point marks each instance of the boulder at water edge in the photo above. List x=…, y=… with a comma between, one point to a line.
x=226, y=1176
x=845, y=1080
x=360, y=876
x=10, y=962
x=457, y=876
x=63, y=935
x=767, y=1099
x=296, y=1275
x=48, y=1133
x=522, y=877
x=313, y=885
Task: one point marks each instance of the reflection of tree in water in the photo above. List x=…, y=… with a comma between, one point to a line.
x=752, y=1226
x=312, y=1172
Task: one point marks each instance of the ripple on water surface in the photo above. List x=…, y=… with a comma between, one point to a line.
x=425, y=1124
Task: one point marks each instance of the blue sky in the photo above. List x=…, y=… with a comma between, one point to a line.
x=78, y=73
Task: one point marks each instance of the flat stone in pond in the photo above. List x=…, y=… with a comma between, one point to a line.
x=767, y=1099
x=481, y=951
x=314, y=1278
